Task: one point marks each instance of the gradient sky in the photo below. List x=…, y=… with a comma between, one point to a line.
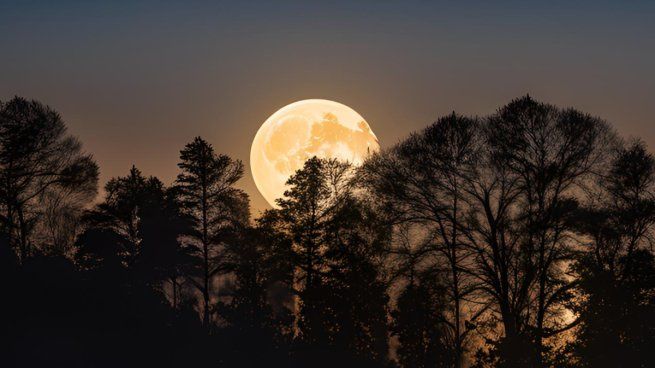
x=136, y=81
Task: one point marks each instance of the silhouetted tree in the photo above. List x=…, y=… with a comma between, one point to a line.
x=149, y=220
x=125, y=321
x=105, y=308
x=421, y=181
x=305, y=208
x=61, y=219
x=128, y=200
x=359, y=291
x=341, y=297
x=419, y=325
x=37, y=158
x=258, y=311
x=528, y=233
x=617, y=270
x=208, y=196
x=548, y=154
x=164, y=262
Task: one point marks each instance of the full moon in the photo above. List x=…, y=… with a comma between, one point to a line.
x=301, y=130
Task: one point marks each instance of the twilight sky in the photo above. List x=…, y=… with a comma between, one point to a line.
x=136, y=81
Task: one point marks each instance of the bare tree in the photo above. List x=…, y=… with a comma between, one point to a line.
x=62, y=210
x=36, y=157
x=496, y=199
x=421, y=181
x=538, y=161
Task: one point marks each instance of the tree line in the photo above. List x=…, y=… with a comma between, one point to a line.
x=518, y=239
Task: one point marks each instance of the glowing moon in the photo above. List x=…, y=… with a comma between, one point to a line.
x=301, y=130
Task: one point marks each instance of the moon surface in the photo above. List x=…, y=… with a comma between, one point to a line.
x=301, y=130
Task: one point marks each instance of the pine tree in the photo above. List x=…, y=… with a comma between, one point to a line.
x=207, y=193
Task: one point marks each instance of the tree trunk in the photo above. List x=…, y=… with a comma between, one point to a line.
x=22, y=238
x=205, y=249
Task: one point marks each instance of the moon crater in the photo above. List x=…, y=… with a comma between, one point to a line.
x=301, y=130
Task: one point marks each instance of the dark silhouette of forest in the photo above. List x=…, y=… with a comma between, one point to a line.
x=519, y=239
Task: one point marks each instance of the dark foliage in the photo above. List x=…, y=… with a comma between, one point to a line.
x=419, y=325
x=617, y=273
x=523, y=239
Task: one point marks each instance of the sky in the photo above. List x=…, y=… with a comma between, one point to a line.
x=137, y=80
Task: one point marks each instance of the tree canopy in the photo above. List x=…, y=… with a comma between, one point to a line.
x=518, y=239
